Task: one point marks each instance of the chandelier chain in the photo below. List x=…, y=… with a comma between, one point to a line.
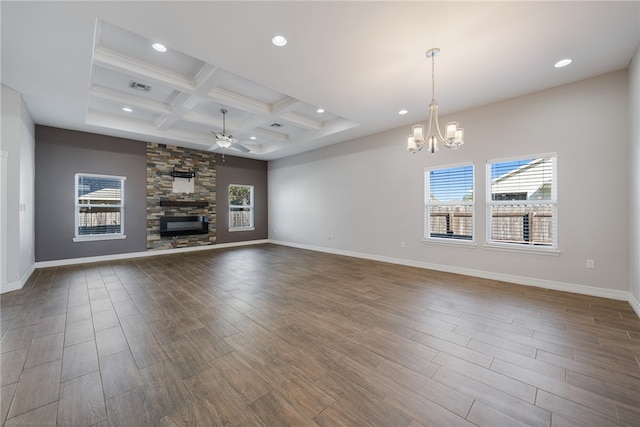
x=433, y=77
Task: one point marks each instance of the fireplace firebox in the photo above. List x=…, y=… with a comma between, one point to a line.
x=183, y=225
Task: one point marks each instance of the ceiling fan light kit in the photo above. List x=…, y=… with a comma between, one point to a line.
x=454, y=135
x=226, y=140
x=223, y=142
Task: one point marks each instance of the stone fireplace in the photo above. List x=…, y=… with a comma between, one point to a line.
x=180, y=218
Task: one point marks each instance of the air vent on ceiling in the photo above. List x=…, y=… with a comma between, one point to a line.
x=139, y=86
x=276, y=125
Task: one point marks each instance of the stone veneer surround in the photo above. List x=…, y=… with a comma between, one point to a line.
x=161, y=160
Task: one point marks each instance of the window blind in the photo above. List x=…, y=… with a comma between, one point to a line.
x=449, y=203
x=522, y=201
x=99, y=205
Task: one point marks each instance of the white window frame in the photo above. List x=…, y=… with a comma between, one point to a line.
x=78, y=206
x=251, y=207
x=551, y=249
x=428, y=203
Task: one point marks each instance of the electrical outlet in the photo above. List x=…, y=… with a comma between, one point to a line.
x=591, y=263
x=403, y=245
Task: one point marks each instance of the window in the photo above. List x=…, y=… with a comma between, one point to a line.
x=99, y=211
x=240, y=207
x=449, y=203
x=522, y=202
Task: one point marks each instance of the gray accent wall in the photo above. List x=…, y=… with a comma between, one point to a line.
x=59, y=155
x=238, y=170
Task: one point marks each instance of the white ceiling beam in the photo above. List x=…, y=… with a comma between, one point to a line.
x=100, y=92
x=302, y=121
x=240, y=102
x=117, y=62
x=278, y=109
x=285, y=106
x=330, y=127
x=180, y=105
x=210, y=77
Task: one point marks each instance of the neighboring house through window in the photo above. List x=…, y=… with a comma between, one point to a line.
x=522, y=202
x=240, y=207
x=449, y=203
x=99, y=207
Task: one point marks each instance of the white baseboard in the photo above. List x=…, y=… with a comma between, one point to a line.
x=634, y=304
x=130, y=255
x=17, y=284
x=520, y=280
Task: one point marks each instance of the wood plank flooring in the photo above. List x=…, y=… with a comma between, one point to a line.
x=274, y=336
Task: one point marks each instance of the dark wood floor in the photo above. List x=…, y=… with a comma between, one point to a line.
x=274, y=336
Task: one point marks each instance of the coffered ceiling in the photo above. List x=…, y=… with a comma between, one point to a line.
x=176, y=96
x=78, y=64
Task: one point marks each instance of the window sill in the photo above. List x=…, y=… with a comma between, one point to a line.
x=450, y=242
x=98, y=238
x=231, y=230
x=537, y=250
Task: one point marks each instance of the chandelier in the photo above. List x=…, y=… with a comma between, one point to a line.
x=453, y=135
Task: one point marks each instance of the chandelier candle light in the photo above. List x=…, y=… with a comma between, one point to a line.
x=454, y=135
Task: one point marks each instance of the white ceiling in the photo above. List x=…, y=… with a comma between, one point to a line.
x=360, y=61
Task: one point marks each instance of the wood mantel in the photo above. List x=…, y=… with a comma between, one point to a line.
x=185, y=203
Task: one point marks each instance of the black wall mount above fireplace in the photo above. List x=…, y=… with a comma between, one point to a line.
x=183, y=225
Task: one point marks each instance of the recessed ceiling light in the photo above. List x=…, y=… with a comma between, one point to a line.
x=562, y=63
x=279, y=41
x=252, y=137
x=402, y=112
x=127, y=109
x=159, y=47
x=320, y=110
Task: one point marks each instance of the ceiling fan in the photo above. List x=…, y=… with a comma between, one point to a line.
x=226, y=140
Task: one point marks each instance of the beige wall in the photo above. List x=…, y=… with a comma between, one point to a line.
x=634, y=169
x=365, y=197
x=17, y=201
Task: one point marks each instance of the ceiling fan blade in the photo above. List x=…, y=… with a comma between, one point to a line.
x=239, y=147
